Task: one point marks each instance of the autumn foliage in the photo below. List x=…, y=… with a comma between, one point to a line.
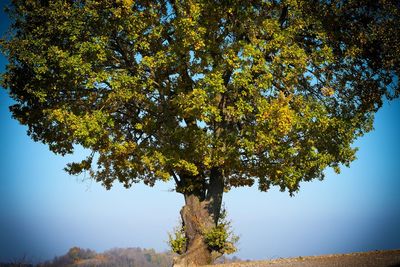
x=210, y=94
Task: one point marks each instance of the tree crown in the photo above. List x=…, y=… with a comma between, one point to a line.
x=266, y=91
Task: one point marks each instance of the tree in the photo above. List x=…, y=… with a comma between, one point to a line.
x=212, y=94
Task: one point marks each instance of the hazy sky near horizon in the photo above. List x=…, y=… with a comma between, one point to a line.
x=44, y=211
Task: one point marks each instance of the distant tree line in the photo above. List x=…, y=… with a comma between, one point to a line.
x=121, y=257
x=124, y=257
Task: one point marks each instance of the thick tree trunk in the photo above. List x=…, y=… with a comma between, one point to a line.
x=200, y=213
x=196, y=219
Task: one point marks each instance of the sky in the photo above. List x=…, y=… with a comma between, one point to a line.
x=44, y=211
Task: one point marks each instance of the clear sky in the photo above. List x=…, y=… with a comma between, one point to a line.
x=44, y=211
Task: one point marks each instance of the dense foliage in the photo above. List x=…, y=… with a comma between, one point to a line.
x=267, y=91
x=213, y=94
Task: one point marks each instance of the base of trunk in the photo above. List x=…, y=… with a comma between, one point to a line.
x=197, y=255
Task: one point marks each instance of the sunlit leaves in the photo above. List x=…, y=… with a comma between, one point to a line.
x=267, y=91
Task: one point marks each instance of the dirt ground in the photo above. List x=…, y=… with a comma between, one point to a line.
x=389, y=258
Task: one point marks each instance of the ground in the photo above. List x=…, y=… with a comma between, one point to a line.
x=389, y=258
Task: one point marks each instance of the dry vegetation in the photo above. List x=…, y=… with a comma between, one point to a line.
x=137, y=257
x=390, y=258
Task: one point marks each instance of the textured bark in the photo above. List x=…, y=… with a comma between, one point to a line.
x=196, y=218
x=201, y=212
x=215, y=192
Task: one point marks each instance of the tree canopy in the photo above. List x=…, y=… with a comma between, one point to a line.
x=265, y=91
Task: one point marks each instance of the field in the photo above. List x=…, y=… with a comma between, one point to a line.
x=390, y=258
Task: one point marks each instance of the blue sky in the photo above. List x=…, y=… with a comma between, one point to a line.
x=44, y=211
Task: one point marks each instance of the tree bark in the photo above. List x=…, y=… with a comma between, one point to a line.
x=200, y=213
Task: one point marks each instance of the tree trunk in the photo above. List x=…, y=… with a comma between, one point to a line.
x=201, y=213
x=196, y=219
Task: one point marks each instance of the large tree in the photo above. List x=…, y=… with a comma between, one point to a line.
x=210, y=94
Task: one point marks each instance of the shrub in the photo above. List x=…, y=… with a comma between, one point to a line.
x=221, y=238
x=177, y=240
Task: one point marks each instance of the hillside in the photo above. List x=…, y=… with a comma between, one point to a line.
x=121, y=257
